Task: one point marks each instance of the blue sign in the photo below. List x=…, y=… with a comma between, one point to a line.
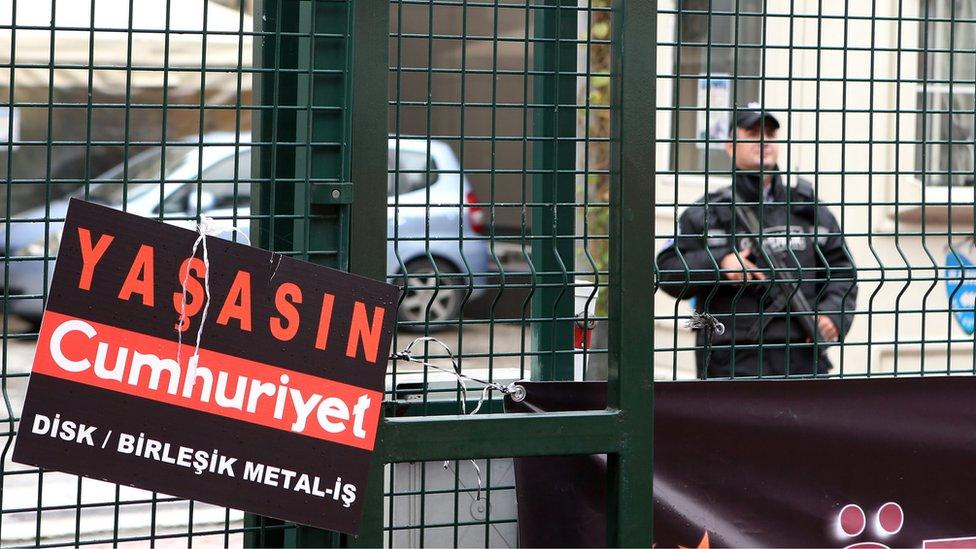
x=960, y=277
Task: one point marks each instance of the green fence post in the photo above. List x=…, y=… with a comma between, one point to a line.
x=303, y=166
x=270, y=163
x=631, y=305
x=273, y=90
x=367, y=246
x=554, y=184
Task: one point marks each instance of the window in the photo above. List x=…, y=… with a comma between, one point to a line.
x=728, y=57
x=946, y=112
x=224, y=170
x=142, y=175
x=218, y=183
x=411, y=174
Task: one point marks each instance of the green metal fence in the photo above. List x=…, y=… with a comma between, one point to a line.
x=105, y=100
x=502, y=84
x=513, y=165
x=299, y=121
x=500, y=296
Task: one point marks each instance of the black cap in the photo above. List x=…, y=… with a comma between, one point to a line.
x=752, y=114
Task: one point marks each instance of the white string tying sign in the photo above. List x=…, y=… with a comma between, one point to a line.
x=513, y=388
x=206, y=227
x=516, y=391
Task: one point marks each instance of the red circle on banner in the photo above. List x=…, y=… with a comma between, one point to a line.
x=891, y=518
x=852, y=520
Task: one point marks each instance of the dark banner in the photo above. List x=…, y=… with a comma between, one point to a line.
x=841, y=463
x=275, y=414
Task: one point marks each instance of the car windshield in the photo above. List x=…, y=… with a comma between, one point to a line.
x=142, y=174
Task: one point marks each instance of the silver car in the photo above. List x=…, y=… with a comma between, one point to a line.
x=433, y=215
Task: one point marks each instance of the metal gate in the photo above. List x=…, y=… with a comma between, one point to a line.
x=529, y=156
x=277, y=119
x=553, y=172
x=471, y=143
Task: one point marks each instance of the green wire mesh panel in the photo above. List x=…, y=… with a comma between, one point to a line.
x=304, y=87
x=142, y=106
x=498, y=229
x=876, y=105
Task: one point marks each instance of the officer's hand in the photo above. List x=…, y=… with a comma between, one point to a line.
x=827, y=328
x=740, y=268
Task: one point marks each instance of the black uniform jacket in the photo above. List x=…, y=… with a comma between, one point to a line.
x=802, y=233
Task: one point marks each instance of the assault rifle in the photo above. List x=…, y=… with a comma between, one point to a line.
x=785, y=288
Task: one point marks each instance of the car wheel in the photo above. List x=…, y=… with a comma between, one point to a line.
x=425, y=300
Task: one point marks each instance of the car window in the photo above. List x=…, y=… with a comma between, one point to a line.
x=217, y=180
x=224, y=170
x=412, y=172
x=141, y=174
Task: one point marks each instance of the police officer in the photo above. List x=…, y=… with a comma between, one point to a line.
x=751, y=322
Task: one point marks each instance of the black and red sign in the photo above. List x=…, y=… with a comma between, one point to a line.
x=277, y=412
x=857, y=463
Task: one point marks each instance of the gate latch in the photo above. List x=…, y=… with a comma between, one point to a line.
x=337, y=192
